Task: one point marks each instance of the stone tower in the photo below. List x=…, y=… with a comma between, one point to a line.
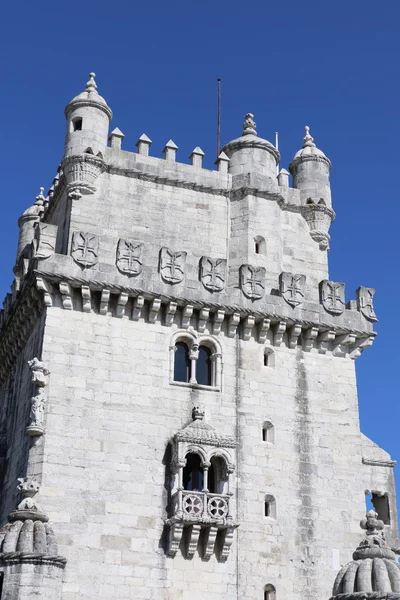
x=177, y=378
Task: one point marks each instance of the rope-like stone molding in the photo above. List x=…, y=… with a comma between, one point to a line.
x=32, y=558
x=379, y=463
x=367, y=596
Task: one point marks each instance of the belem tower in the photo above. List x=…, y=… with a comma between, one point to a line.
x=179, y=415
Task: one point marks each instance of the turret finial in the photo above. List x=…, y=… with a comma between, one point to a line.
x=91, y=85
x=249, y=125
x=40, y=199
x=308, y=139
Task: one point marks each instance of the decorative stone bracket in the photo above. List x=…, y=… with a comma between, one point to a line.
x=81, y=172
x=319, y=219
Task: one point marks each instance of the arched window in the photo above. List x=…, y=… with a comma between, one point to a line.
x=217, y=475
x=270, y=507
x=268, y=432
x=310, y=201
x=269, y=357
x=182, y=362
x=193, y=476
x=89, y=151
x=259, y=245
x=269, y=592
x=322, y=202
x=204, y=366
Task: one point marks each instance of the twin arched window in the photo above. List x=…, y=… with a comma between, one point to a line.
x=196, y=363
x=193, y=474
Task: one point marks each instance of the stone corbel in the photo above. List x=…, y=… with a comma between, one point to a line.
x=203, y=318
x=170, y=313
x=308, y=338
x=43, y=286
x=175, y=536
x=154, y=310
x=227, y=540
x=279, y=330
x=187, y=312
x=66, y=295
x=218, y=320
x=342, y=344
x=209, y=541
x=138, y=304
x=360, y=345
x=233, y=323
x=104, y=301
x=192, y=539
x=294, y=334
x=248, y=326
x=263, y=328
x=324, y=340
x=86, y=299
x=121, y=303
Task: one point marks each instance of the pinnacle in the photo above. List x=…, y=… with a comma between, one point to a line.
x=91, y=85
x=117, y=132
x=171, y=144
x=145, y=138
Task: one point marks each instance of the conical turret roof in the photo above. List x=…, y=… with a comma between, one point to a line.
x=89, y=97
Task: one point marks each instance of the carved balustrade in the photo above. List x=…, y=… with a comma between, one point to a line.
x=201, y=507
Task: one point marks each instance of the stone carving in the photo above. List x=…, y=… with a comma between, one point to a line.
x=38, y=402
x=292, y=288
x=28, y=487
x=213, y=273
x=332, y=296
x=81, y=171
x=85, y=248
x=172, y=265
x=129, y=257
x=365, y=302
x=319, y=218
x=252, y=281
x=44, y=242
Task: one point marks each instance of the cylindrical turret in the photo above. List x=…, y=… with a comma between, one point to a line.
x=88, y=119
x=252, y=154
x=27, y=222
x=310, y=171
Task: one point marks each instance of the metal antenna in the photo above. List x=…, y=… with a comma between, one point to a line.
x=219, y=117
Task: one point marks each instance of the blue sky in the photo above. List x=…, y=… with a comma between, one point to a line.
x=332, y=66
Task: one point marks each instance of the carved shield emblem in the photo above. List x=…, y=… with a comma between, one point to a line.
x=252, y=281
x=332, y=296
x=172, y=265
x=365, y=302
x=213, y=273
x=129, y=257
x=85, y=248
x=44, y=242
x=292, y=288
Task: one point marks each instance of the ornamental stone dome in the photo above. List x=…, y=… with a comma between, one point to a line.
x=89, y=97
x=28, y=536
x=309, y=150
x=34, y=211
x=374, y=570
x=252, y=154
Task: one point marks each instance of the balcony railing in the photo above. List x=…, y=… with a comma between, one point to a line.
x=201, y=507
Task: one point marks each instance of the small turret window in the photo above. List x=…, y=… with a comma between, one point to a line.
x=77, y=124
x=268, y=432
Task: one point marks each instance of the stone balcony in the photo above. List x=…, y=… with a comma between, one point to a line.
x=195, y=511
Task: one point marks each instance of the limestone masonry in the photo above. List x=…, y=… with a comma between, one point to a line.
x=179, y=414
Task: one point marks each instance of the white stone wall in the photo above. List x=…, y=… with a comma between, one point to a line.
x=112, y=412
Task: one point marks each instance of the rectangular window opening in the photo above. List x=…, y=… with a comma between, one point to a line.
x=77, y=124
x=380, y=502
